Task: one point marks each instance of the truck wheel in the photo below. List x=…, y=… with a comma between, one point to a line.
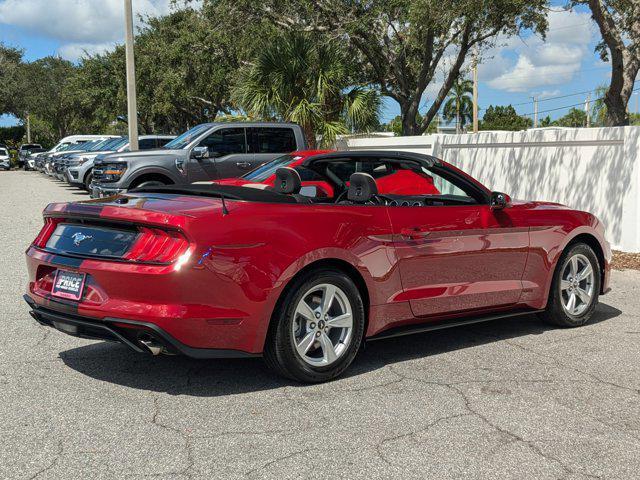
x=317, y=329
x=88, y=178
x=150, y=183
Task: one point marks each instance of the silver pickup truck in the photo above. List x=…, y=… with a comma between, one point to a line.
x=209, y=151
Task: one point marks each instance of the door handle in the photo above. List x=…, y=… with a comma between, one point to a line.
x=414, y=233
x=243, y=164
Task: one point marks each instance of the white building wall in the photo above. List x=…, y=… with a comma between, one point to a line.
x=595, y=170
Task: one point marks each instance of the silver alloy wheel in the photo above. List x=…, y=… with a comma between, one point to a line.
x=322, y=325
x=576, y=285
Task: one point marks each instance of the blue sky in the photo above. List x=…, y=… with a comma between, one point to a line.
x=511, y=71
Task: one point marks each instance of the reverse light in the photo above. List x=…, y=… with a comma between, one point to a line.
x=49, y=227
x=158, y=246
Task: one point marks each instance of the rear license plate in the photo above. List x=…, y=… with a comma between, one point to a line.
x=68, y=285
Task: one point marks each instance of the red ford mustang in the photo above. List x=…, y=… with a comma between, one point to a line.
x=224, y=271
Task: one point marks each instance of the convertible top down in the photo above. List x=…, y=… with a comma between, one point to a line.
x=305, y=268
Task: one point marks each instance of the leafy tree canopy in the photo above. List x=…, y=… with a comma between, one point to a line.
x=402, y=45
x=298, y=77
x=504, y=118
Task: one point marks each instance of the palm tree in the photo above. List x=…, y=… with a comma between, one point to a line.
x=459, y=106
x=296, y=78
x=599, y=112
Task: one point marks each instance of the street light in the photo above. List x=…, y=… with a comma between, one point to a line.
x=131, y=77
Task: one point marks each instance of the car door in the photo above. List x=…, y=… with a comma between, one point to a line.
x=267, y=143
x=458, y=257
x=227, y=155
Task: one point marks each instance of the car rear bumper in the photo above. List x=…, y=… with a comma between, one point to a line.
x=127, y=332
x=179, y=302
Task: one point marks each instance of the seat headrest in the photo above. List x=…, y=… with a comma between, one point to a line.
x=287, y=181
x=362, y=188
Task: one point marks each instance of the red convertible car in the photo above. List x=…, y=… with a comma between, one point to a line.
x=224, y=271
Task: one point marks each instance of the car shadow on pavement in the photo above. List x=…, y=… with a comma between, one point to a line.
x=177, y=375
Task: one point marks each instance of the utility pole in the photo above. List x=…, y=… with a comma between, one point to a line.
x=132, y=106
x=587, y=109
x=475, y=89
x=28, y=128
x=535, y=111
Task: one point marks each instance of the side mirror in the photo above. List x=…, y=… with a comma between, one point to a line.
x=200, y=153
x=499, y=200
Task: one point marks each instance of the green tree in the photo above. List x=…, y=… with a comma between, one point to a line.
x=10, y=62
x=459, y=106
x=545, y=122
x=402, y=45
x=575, y=118
x=599, y=112
x=618, y=21
x=297, y=78
x=395, y=126
x=504, y=118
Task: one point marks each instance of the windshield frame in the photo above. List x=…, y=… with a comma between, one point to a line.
x=185, y=139
x=266, y=170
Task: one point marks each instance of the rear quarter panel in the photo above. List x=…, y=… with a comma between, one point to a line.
x=253, y=253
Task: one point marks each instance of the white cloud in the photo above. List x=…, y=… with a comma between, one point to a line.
x=516, y=65
x=75, y=51
x=90, y=25
x=548, y=93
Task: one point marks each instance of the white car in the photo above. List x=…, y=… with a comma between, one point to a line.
x=79, y=171
x=5, y=159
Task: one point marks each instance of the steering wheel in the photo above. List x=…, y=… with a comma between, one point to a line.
x=341, y=196
x=382, y=199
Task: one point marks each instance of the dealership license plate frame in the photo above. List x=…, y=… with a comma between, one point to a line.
x=66, y=293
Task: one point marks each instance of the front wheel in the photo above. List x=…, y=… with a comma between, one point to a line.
x=575, y=288
x=150, y=183
x=87, y=181
x=317, y=329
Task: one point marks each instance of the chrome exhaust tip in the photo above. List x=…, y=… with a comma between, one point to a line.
x=153, y=347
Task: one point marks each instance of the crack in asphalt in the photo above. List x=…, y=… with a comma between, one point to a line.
x=188, y=446
x=52, y=464
x=386, y=440
x=529, y=443
x=564, y=365
x=276, y=461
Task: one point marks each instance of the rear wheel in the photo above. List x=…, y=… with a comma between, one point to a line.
x=575, y=288
x=317, y=329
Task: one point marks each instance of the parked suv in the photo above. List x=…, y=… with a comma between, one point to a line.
x=25, y=150
x=209, y=151
x=5, y=158
x=79, y=170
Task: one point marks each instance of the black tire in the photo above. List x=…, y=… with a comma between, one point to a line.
x=150, y=183
x=88, y=178
x=280, y=353
x=555, y=313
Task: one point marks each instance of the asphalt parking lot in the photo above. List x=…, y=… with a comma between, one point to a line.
x=509, y=399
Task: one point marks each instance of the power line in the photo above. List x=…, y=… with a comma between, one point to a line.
x=566, y=106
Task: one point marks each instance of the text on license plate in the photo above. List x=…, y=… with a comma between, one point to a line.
x=68, y=285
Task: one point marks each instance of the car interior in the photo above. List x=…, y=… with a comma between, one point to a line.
x=378, y=181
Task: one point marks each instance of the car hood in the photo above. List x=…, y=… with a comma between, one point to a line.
x=128, y=156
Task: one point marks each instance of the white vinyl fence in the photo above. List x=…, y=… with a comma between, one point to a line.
x=595, y=170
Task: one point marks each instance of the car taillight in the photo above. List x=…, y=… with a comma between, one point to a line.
x=157, y=246
x=50, y=225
